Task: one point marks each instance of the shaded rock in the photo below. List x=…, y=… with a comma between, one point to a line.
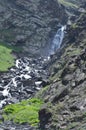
x=74, y=108
x=62, y=92
x=44, y=116
x=66, y=79
x=45, y=82
x=20, y=40
x=83, y=55
x=1, y=88
x=80, y=78
x=29, y=91
x=1, y=118
x=1, y=96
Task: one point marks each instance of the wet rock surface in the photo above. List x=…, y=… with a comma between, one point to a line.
x=10, y=126
x=22, y=81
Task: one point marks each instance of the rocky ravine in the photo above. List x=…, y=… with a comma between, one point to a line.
x=22, y=81
x=64, y=98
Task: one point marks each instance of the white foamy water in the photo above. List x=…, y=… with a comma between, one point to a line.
x=57, y=41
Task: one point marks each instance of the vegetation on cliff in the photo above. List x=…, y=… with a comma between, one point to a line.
x=7, y=55
x=6, y=58
x=68, y=3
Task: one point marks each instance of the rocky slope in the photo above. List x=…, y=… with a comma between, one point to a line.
x=34, y=23
x=65, y=98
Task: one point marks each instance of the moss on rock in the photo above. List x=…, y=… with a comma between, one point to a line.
x=24, y=112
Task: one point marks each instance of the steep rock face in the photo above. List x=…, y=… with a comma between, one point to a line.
x=65, y=98
x=30, y=23
x=73, y=8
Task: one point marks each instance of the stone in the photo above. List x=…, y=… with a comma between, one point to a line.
x=1, y=96
x=74, y=108
x=44, y=116
x=38, y=83
x=66, y=79
x=29, y=91
x=1, y=88
x=1, y=118
x=62, y=92
x=20, y=39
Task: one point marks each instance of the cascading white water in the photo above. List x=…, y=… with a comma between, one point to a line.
x=22, y=80
x=57, y=41
x=25, y=70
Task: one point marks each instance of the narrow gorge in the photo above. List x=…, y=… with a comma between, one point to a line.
x=42, y=65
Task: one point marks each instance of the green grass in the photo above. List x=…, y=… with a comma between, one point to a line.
x=6, y=58
x=41, y=93
x=24, y=112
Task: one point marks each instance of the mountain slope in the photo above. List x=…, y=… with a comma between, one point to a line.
x=31, y=24
x=65, y=107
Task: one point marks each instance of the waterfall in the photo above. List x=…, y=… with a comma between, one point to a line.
x=58, y=38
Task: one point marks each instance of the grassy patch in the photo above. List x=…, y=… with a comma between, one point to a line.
x=68, y=4
x=71, y=51
x=23, y=112
x=41, y=93
x=74, y=26
x=6, y=58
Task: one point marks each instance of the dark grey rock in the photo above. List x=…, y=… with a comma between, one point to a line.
x=62, y=92
x=44, y=116
x=1, y=118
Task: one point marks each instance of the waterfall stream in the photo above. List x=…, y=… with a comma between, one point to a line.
x=22, y=81
x=58, y=38
x=28, y=75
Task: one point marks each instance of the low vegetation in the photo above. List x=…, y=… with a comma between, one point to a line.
x=41, y=93
x=68, y=4
x=6, y=58
x=24, y=112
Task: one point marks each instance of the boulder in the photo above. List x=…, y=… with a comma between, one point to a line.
x=44, y=117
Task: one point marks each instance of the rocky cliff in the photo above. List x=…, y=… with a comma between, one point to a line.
x=30, y=24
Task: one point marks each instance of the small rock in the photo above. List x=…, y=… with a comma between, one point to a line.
x=44, y=116
x=74, y=108
x=29, y=91
x=38, y=83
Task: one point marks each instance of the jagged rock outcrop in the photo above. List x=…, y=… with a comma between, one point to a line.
x=73, y=8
